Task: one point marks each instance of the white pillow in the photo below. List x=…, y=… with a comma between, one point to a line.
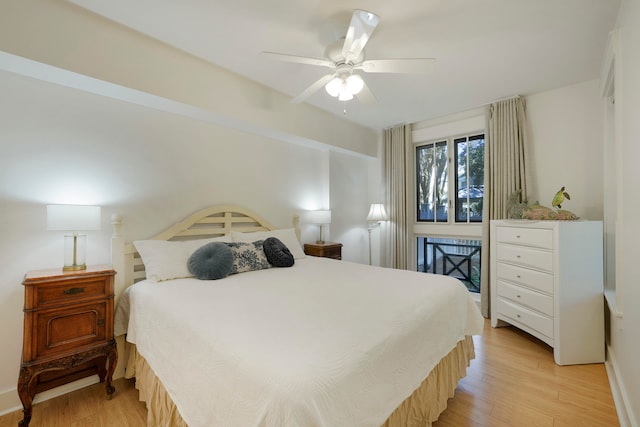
x=165, y=260
x=286, y=236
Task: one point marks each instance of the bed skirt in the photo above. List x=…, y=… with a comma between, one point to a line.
x=423, y=407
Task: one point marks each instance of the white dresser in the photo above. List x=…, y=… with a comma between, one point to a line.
x=547, y=279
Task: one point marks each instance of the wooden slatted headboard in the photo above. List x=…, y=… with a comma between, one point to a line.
x=209, y=222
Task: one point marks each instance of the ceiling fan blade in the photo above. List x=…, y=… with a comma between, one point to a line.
x=366, y=96
x=399, y=66
x=299, y=59
x=360, y=29
x=312, y=89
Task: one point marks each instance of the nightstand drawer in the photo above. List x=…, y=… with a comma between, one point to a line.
x=534, y=279
x=71, y=291
x=531, y=299
x=524, y=256
x=525, y=236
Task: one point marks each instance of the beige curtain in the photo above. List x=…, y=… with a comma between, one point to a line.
x=395, y=143
x=504, y=173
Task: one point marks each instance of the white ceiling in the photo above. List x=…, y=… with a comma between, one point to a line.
x=485, y=49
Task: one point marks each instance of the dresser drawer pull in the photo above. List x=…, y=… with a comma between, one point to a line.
x=517, y=296
x=100, y=322
x=73, y=291
x=518, y=316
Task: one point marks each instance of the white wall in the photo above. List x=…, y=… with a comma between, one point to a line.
x=564, y=130
x=623, y=343
x=64, y=35
x=565, y=147
x=64, y=145
x=350, y=204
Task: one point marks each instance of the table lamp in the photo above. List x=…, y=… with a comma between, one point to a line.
x=73, y=218
x=321, y=218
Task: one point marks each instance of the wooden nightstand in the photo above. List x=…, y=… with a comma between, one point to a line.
x=326, y=249
x=68, y=331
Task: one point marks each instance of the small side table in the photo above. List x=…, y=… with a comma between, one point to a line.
x=68, y=331
x=325, y=250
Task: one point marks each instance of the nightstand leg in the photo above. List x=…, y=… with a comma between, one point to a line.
x=112, y=360
x=26, y=391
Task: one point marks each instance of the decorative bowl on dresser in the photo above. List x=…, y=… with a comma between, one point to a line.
x=547, y=279
x=68, y=331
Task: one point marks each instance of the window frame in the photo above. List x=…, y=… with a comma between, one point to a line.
x=455, y=141
x=452, y=178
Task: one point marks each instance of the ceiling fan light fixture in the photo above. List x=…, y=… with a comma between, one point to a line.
x=355, y=84
x=334, y=86
x=346, y=55
x=345, y=93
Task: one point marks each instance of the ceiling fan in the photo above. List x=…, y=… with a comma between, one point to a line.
x=346, y=56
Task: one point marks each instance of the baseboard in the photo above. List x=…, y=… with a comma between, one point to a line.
x=10, y=402
x=620, y=396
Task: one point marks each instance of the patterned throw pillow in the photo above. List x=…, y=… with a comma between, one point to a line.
x=277, y=253
x=248, y=257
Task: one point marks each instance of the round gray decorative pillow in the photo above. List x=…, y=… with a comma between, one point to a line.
x=277, y=253
x=211, y=261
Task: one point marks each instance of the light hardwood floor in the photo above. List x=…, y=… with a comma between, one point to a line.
x=512, y=382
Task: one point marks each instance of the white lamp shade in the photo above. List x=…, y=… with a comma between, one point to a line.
x=377, y=212
x=73, y=217
x=319, y=217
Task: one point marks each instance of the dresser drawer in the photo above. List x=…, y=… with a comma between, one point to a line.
x=531, y=299
x=73, y=328
x=528, y=257
x=539, y=238
x=534, y=279
x=529, y=318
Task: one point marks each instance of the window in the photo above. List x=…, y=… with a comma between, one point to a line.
x=434, y=177
x=469, y=178
x=450, y=192
x=432, y=185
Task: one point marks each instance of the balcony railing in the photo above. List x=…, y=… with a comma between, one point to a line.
x=459, y=258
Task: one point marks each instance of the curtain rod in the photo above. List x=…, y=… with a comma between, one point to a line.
x=457, y=112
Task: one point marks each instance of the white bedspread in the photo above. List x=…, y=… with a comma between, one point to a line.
x=324, y=343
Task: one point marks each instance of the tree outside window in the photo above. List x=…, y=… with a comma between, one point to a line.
x=432, y=185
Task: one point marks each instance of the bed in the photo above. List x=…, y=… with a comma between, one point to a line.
x=321, y=343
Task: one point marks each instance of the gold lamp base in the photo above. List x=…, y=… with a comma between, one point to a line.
x=74, y=259
x=74, y=267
